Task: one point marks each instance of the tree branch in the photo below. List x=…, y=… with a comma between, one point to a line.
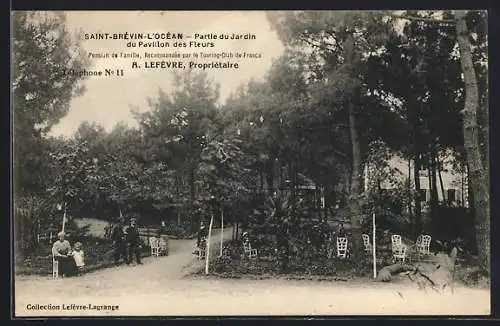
x=327, y=126
x=319, y=46
x=422, y=19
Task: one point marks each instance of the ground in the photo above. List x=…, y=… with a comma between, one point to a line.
x=162, y=286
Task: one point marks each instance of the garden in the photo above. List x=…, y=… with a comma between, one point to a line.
x=362, y=126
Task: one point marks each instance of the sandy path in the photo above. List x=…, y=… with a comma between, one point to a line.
x=159, y=288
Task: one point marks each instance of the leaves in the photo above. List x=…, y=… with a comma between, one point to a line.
x=42, y=49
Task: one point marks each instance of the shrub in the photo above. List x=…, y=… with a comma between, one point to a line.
x=454, y=222
x=472, y=275
x=222, y=263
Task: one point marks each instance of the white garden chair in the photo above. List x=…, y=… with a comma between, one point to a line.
x=396, y=240
x=399, y=253
x=201, y=250
x=163, y=246
x=366, y=242
x=249, y=252
x=423, y=244
x=55, y=268
x=342, y=247
x=201, y=253
x=398, y=248
x=154, y=243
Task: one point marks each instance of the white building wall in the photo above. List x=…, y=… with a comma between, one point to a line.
x=454, y=184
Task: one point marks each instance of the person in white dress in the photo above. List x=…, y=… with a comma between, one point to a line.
x=79, y=257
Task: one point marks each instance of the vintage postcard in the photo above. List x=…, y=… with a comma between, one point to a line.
x=222, y=163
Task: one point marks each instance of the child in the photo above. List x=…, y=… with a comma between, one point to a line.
x=79, y=257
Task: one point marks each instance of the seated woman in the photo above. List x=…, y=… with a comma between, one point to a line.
x=79, y=257
x=61, y=251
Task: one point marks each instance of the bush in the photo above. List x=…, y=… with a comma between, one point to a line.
x=472, y=275
x=452, y=223
x=183, y=231
x=234, y=249
x=222, y=263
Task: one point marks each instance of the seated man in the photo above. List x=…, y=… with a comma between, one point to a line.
x=61, y=251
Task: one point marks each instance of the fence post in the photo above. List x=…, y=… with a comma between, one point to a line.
x=207, y=246
x=374, y=244
x=221, y=229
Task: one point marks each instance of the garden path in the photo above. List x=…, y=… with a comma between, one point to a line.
x=162, y=287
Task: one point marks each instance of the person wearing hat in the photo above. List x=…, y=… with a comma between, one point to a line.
x=119, y=245
x=202, y=235
x=61, y=251
x=133, y=242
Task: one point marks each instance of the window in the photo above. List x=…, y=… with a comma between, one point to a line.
x=423, y=195
x=423, y=173
x=451, y=195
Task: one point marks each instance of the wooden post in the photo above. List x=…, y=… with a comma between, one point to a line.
x=221, y=228
x=374, y=248
x=233, y=222
x=207, y=249
x=64, y=218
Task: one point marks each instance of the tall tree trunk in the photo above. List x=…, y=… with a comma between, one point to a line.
x=471, y=141
x=410, y=197
x=328, y=201
x=233, y=222
x=355, y=204
x=429, y=181
x=295, y=183
x=192, y=182
x=433, y=171
x=237, y=230
x=439, y=168
x=270, y=176
x=415, y=107
x=484, y=120
x=19, y=229
x=261, y=177
x=291, y=185
x=433, y=187
x=418, y=201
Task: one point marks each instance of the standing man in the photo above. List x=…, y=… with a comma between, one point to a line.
x=202, y=235
x=163, y=227
x=133, y=242
x=119, y=245
x=341, y=230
